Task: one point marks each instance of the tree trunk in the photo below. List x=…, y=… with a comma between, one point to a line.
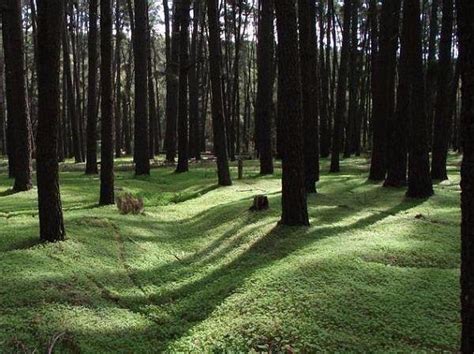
x=172, y=88
x=294, y=207
x=107, y=105
x=324, y=72
x=465, y=12
x=218, y=119
x=309, y=82
x=16, y=94
x=118, y=79
x=340, y=113
x=383, y=88
x=3, y=132
x=419, y=179
x=140, y=47
x=443, y=113
x=91, y=161
x=183, y=142
x=50, y=26
x=265, y=83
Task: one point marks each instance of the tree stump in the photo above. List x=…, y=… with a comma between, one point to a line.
x=260, y=202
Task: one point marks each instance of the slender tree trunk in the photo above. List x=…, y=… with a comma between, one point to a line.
x=91, y=161
x=339, y=115
x=153, y=117
x=183, y=142
x=324, y=72
x=294, y=207
x=383, y=88
x=309, y=81
x=443, y=114
x=218, y=119
x=419, y=178
x=265, y=83
x=140, y=47
x=3, y=132
x=465, y=11
x=16, y=94
x=50, y=26
x=194, y=86
x=118, y=79
x=172, y=88
x=107, y=105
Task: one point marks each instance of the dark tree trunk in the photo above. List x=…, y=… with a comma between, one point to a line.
x=383, y=88
x=118, y=79
x=419, y=178
x=324, y=72
x=91, y=160
x=309, y=82
x=183, y=142
x=294, y=207
x=127, y=106
x=3, y=133
x=153, y=116
x=50, y=25
x=194, y=145
x=140, y=47
x=431, y=71
x=16, y=94
x=172, y=88
x=443, y=113
x=218, y=119
x=340, y=113
x=107, y=105
x=465, y=12
x=265, y=83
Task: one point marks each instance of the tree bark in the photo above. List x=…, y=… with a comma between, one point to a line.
x=265, y=83
x=294, y=207
x=16, y=95
x=443, y=113
x=218, y=119
x=107, y=105
x=91, y=160
x=50, y=26
x=140, y=47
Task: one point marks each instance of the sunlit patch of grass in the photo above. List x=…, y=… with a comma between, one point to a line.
x=199, y=272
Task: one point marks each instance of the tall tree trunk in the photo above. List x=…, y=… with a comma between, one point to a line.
x=419, y=178
x=140, y=47
x=265, y=83
x=465, y=11
x=91, y=160
x=71, y=101
x=16, y=94
x=50, y=26
x=107, y=105
x=443, y=113
x=183, y=142
x=294, y=207
x=218, y=119
x=309, y=82
x=172, y=88
x=324, y=72
x=339, y=114
x=3, y=132
x=383, y=88
x=118, y=79
x=153, y=117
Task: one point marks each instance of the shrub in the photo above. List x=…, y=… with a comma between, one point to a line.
x=128, y=204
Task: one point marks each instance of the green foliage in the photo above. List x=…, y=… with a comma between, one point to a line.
x=199, y=272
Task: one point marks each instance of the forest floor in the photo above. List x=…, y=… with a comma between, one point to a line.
x=199, y=272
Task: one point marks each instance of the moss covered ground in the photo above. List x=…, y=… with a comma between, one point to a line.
x=375, y=272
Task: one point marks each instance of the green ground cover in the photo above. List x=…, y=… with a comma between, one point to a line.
x=199, y=272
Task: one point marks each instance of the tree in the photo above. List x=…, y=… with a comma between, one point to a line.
x=294, y=207
x=465, y=11
x=383, y=87
x=309, y=81
x=183, y=142
x=172, y=85
x=20, y=137
x=107, y=105
x=265, y=82
x=340, y=112
x=50, y=24
x=419, y=179
x=91, y=159
x=443, y=112
x=140, y=47
x=218, y=119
